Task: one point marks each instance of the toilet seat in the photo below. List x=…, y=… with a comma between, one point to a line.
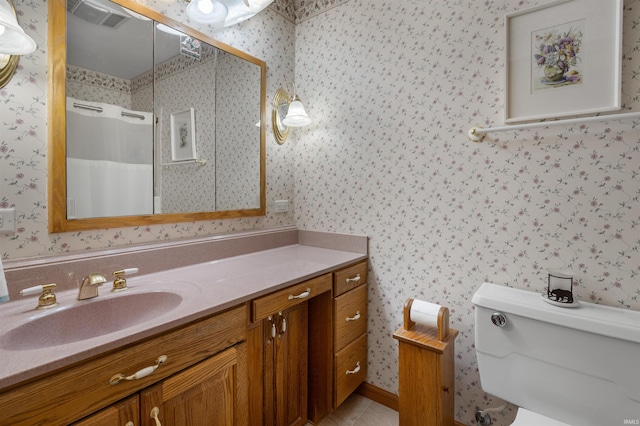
x=529, y=418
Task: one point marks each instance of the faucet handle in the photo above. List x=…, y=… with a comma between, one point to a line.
x=47, y=299
x=120, y=283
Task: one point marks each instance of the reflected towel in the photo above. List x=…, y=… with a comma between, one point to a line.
x=106, y=188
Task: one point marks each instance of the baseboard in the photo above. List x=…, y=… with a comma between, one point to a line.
x=379, y=395
x=383, y=397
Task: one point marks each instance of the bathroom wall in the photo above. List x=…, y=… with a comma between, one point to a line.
x=177, y=87
x=23, y=138
x=236, y=119
x=393, y=88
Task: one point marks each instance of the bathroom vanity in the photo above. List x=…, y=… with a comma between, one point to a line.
x=258, y=339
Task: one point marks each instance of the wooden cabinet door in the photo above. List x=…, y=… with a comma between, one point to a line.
x=285, y=367
x=123, y=413
x=210, y=393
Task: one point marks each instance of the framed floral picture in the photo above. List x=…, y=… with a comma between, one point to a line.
x=563, y=59
x=183, y=136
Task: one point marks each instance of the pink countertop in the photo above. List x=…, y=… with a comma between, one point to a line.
x=205, y=288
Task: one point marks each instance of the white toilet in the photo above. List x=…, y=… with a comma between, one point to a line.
x=562, y=366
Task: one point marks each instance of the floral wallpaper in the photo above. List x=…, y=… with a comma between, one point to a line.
x=94, y=86
x=393, y=88
x=237, y=113
x=23, y=140
x=178, y=87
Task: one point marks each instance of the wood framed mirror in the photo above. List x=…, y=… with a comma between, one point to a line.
x=207, y=129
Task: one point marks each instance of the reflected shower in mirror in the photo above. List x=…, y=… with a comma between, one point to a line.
x=160, y=121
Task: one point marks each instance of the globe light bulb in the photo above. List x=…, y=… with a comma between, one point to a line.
x=205, y=6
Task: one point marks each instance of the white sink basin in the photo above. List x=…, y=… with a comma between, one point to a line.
x=89, y=318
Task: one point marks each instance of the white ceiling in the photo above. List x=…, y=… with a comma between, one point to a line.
x=126, y=51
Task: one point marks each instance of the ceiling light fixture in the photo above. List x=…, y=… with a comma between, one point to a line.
x=238, y=12
x=224, y=13
x=210, y=12
x=257, y=5
x=166, y=29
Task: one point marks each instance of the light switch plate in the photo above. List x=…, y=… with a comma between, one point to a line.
x=7, y=221
x=282, y=206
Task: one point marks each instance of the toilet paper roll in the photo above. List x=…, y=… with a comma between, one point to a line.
x=424, y=313
x=428, y=314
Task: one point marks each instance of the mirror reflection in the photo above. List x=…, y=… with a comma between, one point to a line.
x=158, y=122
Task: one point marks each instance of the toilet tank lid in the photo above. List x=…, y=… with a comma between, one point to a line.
x=590, y=317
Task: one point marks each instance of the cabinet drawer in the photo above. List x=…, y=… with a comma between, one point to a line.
x=79, y=390
x=281, y=300
x=348, y=278
x=350, y=321
x=121, y=413
x=350, y=369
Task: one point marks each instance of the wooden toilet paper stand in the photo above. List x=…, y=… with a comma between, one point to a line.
x=426, y=371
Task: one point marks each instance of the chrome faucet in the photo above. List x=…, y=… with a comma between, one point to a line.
x=90, y=284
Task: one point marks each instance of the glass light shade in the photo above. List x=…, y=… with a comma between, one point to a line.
x=296, y=116
x=13, y=40
x=198, y=13
x=169, y=30
x=257, y=5
x=238, y=12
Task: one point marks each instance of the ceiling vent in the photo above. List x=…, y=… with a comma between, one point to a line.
x=95, y=13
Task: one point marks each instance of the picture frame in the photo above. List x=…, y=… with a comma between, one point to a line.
x=183, y=136
x=563, y=59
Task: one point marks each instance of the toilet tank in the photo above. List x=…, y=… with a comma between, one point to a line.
x=579, y=365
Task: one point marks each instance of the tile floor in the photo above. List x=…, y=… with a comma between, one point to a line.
x=360, y=411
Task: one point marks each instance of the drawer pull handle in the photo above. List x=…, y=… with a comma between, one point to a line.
x=155, y=412
x=354, y=279
x=130, y=423
x=140, y=373
x=355, y=370
x=353, y=318
x=273, y=328
x=302, y=295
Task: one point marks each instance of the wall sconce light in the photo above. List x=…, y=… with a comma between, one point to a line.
x=224, y=13
x=13, y=42
x=287, y=111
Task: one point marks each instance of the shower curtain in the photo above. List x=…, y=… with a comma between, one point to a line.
x=109, y=160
